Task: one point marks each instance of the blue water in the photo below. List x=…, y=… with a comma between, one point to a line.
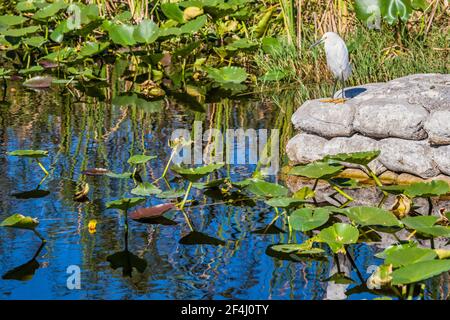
x=93, y=134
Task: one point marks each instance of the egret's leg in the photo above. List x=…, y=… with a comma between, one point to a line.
x=334, y=88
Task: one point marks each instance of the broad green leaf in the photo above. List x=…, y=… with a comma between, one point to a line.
x=146, y=32
x=140, y=159
x=295, y=248
x=284, y=202
x=122, y=34
x=60, y=55
x=372, y=216
x=405, y=256
x=50, y=10
x=194, y=174
x=306, y=219
x=227, y=74
x=36, y=41
x=419, y=271
x=267, y=189
x=362, y=158
x=124, y=175
x=20, y=222
x=426, y=225
x=427, y=189
x=338, y=235
x=57, y=34
x=394, y=9
x=304, y=193
x=20, y=32
x=419, y=4
x=124, y=203
x=271, y=46
x=31, y=70
x=317, y=170
x=172, y=11
x=93, y=48
x=25, y=5
x=274, y=75
x=394, y=189
x=243, y=43
x=171, y=194
x=145, y=189
x=10, y=20
x=28, y=153
x=383, y=254
x=194, y=25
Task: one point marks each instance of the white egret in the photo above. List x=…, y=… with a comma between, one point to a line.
x=337, y=60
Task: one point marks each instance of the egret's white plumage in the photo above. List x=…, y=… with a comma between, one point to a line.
x=337, y=57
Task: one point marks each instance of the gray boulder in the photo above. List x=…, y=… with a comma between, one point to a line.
x=438, y=127
x=383, y=118
x=305, y=148
x=441, y=156
x=415, y=157
x=324, y=119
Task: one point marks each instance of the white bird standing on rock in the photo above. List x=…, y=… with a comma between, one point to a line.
x=337, y=61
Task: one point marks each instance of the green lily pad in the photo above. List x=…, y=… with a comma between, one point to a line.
x=383, y=254
x=140, y=159
x=124, y=175
x=426, y=225
x=370, y=216
x=145, y=189
x=317, y=170
x=92, y=48
x=28, y=153
x=394, y=189
x=124, y=203
x=427, y=189
x=171, y=194
x=20, y=221
x=122, y=34
x=146, y=32
x=266, y=189
x=227, y=74
x=20, y=32
x=194, y=25
x=172, y=11
x=306, y=219
x=406, y=256
x=50, y=10
x=10, y=20
x=284, y=202
x=362, y=158
x=419, y=271
x=294, y=252
x=338, y=235
x=194, y=174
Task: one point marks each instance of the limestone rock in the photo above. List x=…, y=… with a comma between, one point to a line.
x=441, y=156
x=305, y=148
x=415, y=157
x=324, y=119
x=383, y=118
x=438, y=127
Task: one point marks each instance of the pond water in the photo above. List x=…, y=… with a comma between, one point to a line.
x=82, y=132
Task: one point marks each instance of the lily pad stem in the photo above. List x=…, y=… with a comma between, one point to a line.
x=39, y=235
x=182, y=206
x=341, y=192
x=42, y=167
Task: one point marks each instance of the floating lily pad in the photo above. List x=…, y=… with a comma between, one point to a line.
x=31, y=194
x=338, y=235
x=171, y=194
x=151, y=212
x=419, y=271
x=11, y=20
x=362, y=158
x=427, y=189
x=405, y=256
x=124, y=203
x=426, y=225
x=266, y=189
x=367, y=216
x=194, y=174
x=284, y=202
x=140, y=159
x=317, y=170
x=306, y=219
x=145, y=189
x=28, y=153
x=20, y=221
x=294, y=252
x=124, y=175
x=227, y=75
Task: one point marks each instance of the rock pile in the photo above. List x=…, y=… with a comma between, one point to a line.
x=408, y=119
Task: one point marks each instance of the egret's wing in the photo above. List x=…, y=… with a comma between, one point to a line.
x=341, y=54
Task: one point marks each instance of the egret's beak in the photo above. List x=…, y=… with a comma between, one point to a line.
x=316, y=43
